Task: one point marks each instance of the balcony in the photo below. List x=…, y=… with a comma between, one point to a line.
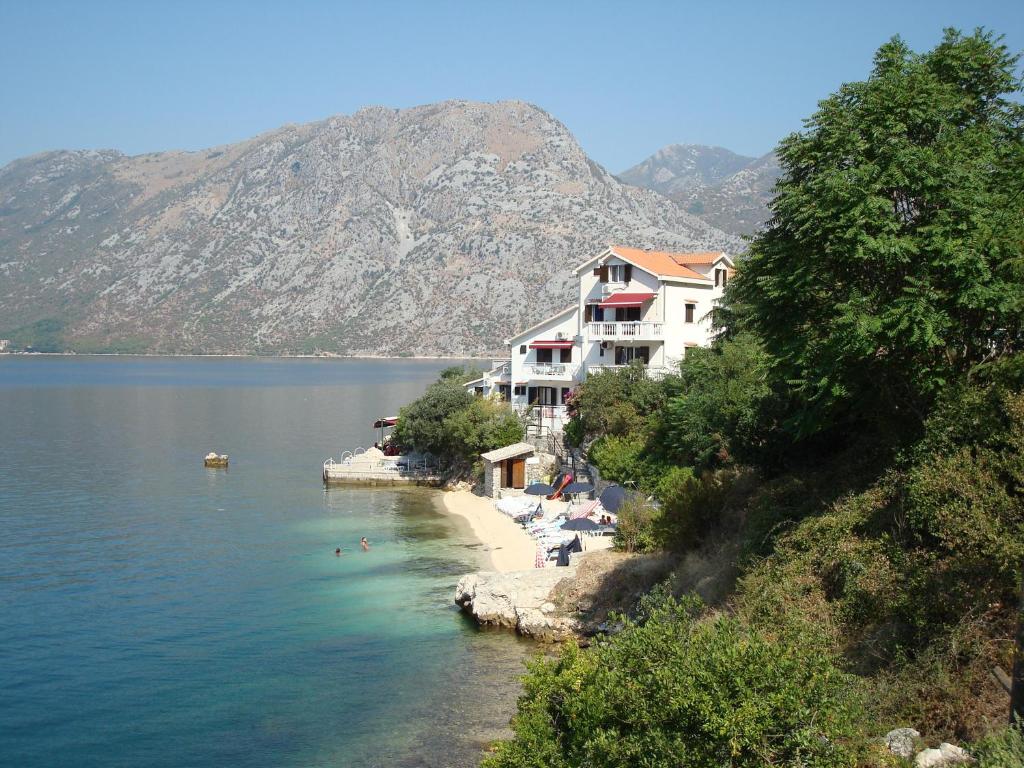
x=640, y=330
x=555, y=371
x=652, y=371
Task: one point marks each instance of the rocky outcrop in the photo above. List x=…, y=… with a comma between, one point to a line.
x=518, y=600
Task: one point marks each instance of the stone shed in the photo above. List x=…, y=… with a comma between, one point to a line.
x=512, y=467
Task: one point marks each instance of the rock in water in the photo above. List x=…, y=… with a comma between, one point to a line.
x=902, y=742
x=517, y=600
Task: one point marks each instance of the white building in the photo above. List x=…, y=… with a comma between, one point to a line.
x=633, y=304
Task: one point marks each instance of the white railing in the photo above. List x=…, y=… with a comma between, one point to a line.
x=640, y=329
x=652, y=371
x=553, y=370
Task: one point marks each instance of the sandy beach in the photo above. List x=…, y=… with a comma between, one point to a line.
x=509, y=547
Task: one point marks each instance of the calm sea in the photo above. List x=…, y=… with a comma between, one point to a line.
x=156, y=613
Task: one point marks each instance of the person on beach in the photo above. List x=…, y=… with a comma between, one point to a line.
x=364, y=544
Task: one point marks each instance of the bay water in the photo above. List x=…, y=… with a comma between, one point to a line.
x=154, y=612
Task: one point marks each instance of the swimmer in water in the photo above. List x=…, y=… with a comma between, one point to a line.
x=337, y=552
x=364, y=544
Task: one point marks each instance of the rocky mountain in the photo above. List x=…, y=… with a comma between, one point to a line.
x=433, y=230
x=679, y=169
x=726, y=190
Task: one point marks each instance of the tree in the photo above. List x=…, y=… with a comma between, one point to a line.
x=893, y=262
x=487, y=423
x=421, y=424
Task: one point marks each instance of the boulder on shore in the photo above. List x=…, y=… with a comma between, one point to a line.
x=902, y=742
x=517, y=600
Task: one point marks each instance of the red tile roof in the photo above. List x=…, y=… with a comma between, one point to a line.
x=667, y=264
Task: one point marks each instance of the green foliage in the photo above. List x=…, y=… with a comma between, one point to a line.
x=421, y=424
x=460, y=374
x=636, y=528
x=41, y=336
x=616, y=402
x=724, y=405
x=487, y=423
x=1003, y=749
x=454, y=425
x=683, y=691
x=626, y=460
x=892, y=266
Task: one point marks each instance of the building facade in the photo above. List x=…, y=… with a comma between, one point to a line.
x=633, y=305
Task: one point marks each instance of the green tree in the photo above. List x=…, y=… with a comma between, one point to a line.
x=893, y=262
x=726, y=404
x=687, y=692
x=422, y=423
x=617, y=402
x=487, y=423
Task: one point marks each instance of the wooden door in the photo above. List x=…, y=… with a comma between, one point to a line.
x=518, y=473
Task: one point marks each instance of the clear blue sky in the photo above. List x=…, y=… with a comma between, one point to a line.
x=626, y=77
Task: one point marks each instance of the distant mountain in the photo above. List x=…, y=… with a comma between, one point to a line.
x=679, y=169
x=432, y=230
x=727, y=190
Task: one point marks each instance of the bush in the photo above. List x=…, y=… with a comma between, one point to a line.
x=1004, y=749
x=421, y=424
x=626, y=460
x=687, y=692
x=487, y=423
x=636, y=526
x=617, y=402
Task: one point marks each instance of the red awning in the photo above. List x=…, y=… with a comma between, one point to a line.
x=551, y=345
x=623, y=299
x=389, y=421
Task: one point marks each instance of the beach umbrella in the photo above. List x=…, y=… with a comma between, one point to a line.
x=578, y=488
x=580, y=524
x=576, y=545
x=539, y=489
x=612, y=497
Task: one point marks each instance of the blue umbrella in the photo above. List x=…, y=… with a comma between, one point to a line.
x=539, y=489
x=613, y=497
x=580, y=524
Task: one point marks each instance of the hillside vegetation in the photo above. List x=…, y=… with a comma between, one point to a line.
x=849, y=455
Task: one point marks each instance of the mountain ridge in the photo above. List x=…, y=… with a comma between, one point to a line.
x=429, y=230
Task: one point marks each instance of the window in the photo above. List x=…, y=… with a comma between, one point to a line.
x=543, y=355
x=565, y=355
x=626, y=355
x=627, y=314
x=689, y=312
x=522, y=349
x=592, y=313
x=616, y=273
x=520, y=389
x=721, y=277
x=565, y=394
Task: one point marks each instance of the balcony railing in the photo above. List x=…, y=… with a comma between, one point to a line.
x=652, y=371
x=551, y=370
x=640, y=329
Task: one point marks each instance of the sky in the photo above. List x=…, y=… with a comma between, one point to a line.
x=626, y=77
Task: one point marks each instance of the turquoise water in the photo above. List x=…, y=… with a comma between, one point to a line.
x=158, y=613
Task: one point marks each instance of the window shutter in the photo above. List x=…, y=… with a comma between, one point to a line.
x=627, y=273
x=603, y=272
x=531, y=395
x=588, y=313
x=644, y=353
x=566, y=355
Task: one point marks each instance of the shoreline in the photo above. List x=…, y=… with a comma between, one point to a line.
x=507, y=546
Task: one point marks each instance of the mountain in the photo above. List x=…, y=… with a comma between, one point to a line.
x=727, y=190
x=679, y=169
x=432, y=230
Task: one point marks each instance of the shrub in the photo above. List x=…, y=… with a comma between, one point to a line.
x=421, y=423
x=1003, y=749
x=487, y=423
x=686, y=692
x=626, y=460
x=636, y=526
